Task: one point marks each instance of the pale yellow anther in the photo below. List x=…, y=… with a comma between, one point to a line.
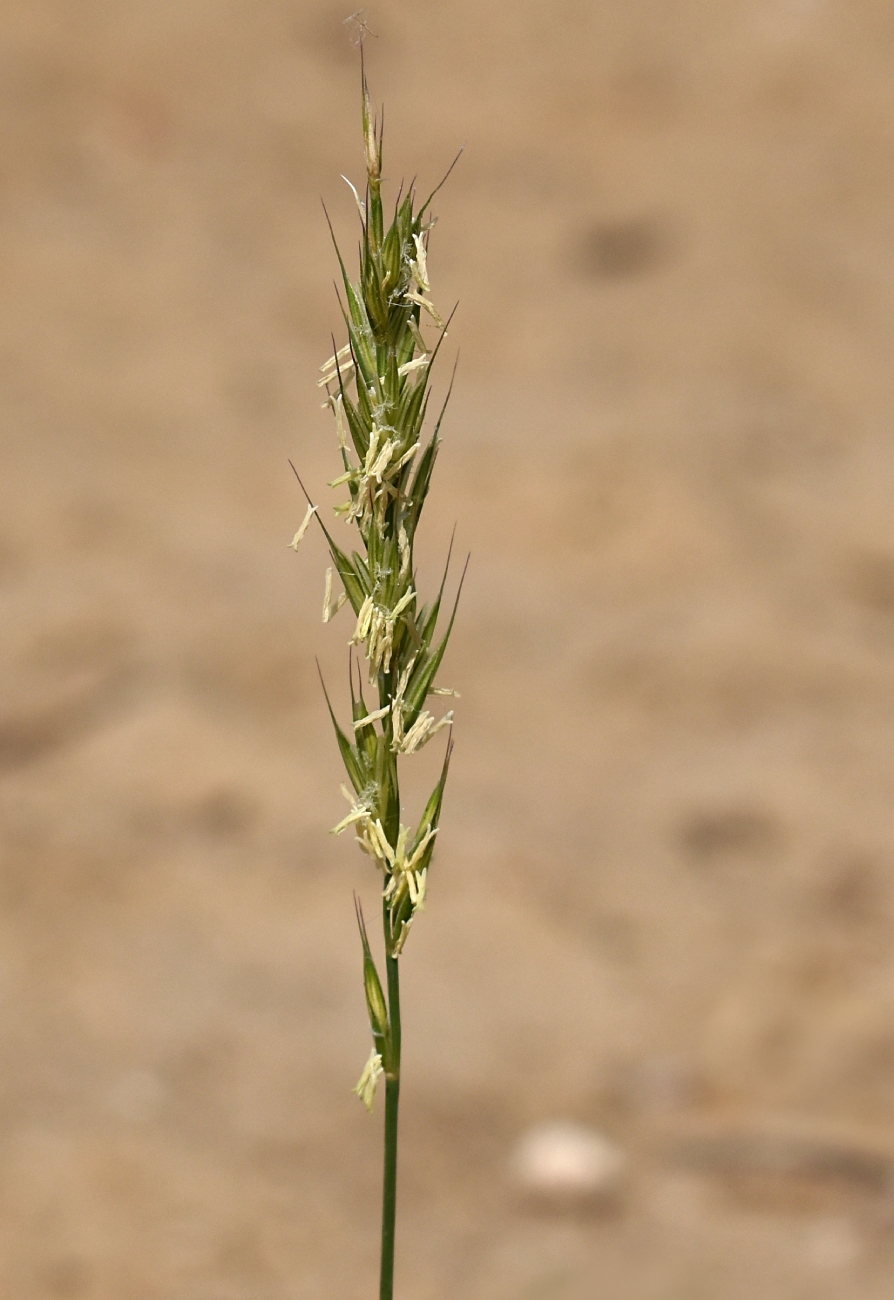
x=408, y=596
x=421, y=884
x=341, y=363
x=380, y=841
x=330, y=610
x=419, y=265
x=418, y=363
x=372, y=717
x=364, y=614
x=428, y=306
x=305, y=524
x=341, y=355
x=401, y=938
x=383, y=459
x=408, y=455
x=416, y=888
x=365, y=1088
x=360, y=812
x=403, y=548
x=421, y=847
x=421, y=732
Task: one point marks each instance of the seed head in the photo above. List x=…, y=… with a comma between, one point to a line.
x=377, y=385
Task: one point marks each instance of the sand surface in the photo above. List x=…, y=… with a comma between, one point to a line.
x=663, y=903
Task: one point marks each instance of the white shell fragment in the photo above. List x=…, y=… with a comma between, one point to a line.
x=565, y=1161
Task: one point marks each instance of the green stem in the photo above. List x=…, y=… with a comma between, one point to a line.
x=392, y=1097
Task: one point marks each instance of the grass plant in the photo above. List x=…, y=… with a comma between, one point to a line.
x=377, y=388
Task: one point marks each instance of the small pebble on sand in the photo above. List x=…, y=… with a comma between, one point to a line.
x=563, y=1161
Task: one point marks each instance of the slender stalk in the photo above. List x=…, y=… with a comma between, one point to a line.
x=392, y=1099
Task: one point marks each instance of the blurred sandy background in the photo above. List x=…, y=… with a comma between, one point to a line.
x=663, y=904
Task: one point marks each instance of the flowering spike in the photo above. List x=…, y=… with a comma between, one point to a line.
x=377, y=382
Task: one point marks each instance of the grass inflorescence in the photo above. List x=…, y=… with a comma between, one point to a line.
x=377, y=387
